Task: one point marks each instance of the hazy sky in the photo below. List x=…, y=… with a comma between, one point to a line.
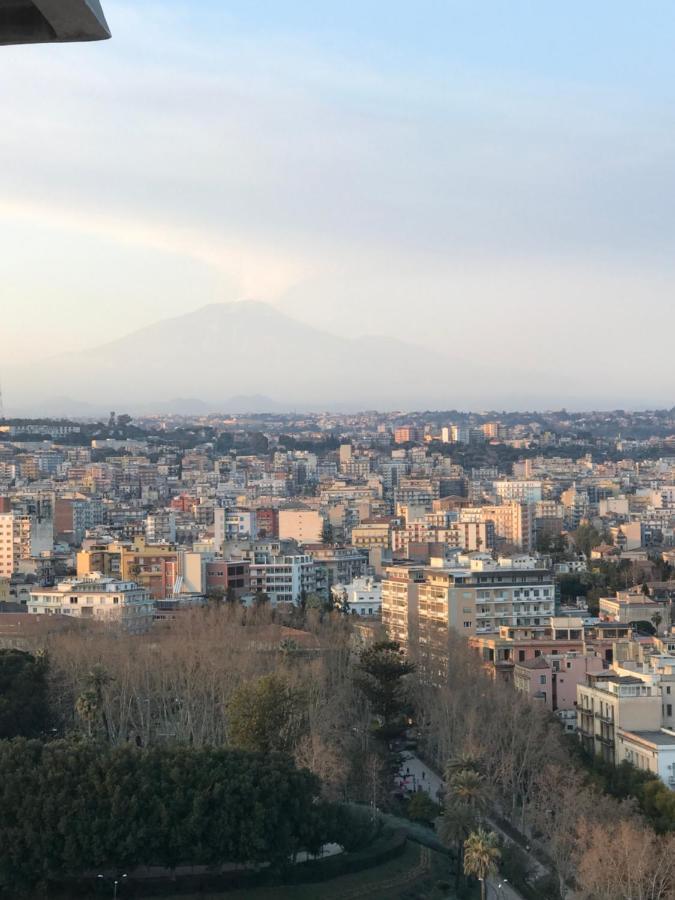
x=498, y=175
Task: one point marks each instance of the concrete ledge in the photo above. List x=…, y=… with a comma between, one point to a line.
x=51, y=21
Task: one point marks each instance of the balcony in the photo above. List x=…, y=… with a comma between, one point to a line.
x=609, y=720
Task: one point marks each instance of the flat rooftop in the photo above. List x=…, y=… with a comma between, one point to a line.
x=658, y=738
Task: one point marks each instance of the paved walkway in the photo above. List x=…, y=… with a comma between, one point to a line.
x=422, y=774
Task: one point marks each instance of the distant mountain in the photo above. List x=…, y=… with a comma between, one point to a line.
x=248, y=351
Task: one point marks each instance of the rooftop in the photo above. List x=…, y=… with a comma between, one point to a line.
x=663, y=738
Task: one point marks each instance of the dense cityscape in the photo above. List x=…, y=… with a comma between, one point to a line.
x=449, y=618
x=337, y=450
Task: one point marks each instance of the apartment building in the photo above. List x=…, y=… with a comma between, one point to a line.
x=468, y=536
x=552, y=679
x=633, y=606
x=153, y=566
x=362, y=597
x=23, y=537
x=516, y=592
x=232, y=525
x=501, y=652
x=336, y=565
x=608, y=702
x=400, y=585
x=6, y=545
x=522, y=491
x=300, y=524
x=97, y=598
x=284, y=578
x=406, y=434
x=371, y=533
x=475, y=595
x=651, y=751
x=160, y=527
x=513, y=522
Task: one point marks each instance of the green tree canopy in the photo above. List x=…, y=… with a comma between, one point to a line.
x=382, y=668
x=267, y=714
x=70, y=807
x=24, y=707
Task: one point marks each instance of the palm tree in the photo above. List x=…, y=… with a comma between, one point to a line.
x=453, y=827
x=461, y=762
x=469, y=787
x=87, y=709
x=90, y=704
x=481, y=855
x=466, y=800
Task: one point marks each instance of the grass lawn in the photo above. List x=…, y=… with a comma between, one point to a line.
x=412, y=876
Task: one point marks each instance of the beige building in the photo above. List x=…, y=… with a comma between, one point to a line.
x=399, y=595
x=96, y=598
x=302, y=525
x=6, y=544
x=608, y=702
x=372, y=533
x=23, y=537
x=632, y=606
x=512, y=522
x=478, y=595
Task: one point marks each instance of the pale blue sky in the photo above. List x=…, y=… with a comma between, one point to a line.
x=499, y=173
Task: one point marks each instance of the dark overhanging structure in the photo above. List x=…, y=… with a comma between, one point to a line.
x=51, y=21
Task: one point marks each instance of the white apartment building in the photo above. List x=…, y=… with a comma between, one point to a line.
x=520, y=490
x=515, y=591
x=98, y=598
x=232, y=525
x=283, y=578
x=363, y=596
x=160, y=528
x=651, y=751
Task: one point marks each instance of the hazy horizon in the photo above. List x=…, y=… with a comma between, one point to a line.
x=490, y=181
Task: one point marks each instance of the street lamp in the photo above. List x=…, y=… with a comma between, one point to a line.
x=116, y=881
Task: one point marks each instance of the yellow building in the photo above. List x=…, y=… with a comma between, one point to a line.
x=152, y=566
x=372, y=533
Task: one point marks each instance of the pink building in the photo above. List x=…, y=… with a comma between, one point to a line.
x=552, y=678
